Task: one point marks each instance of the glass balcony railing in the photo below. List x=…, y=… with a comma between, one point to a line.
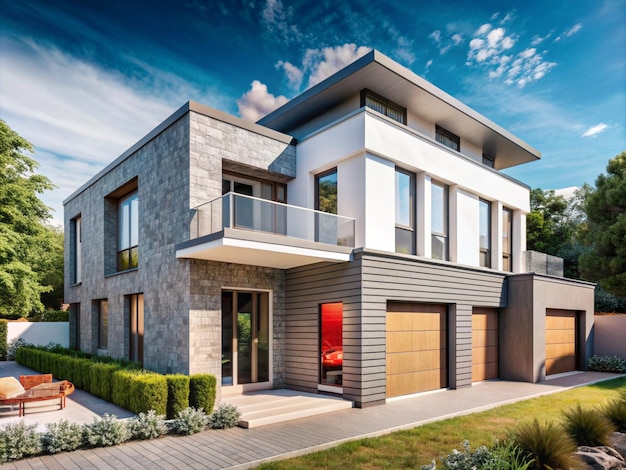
x=237, y=211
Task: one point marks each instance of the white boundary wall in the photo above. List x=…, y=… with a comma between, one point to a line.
x=40, y=333
x=609, y=335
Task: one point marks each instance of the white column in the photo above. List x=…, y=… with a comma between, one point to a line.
x=519, y=241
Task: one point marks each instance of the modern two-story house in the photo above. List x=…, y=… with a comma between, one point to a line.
x=360, y=240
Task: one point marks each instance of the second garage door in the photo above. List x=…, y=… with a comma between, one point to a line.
x=484, y=344
x=416, y=348
x=560, y=341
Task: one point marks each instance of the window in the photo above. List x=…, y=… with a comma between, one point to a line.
x=331, y=343
x=326, y=201
x=405, y=209
x=485, y=234
x=128, y=233
x=74, y=315
x=383, y=106
x=75, y=250
x=507, y=239
x=447, y=138
x=439, y=221
x=134, y=306
x=488, y=161
x=103, y=324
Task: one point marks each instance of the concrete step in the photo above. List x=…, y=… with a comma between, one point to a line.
x=277, y=406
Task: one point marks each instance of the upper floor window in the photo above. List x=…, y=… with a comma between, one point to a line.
x=507, y=238
x=405, y=209
x=128, y=232
x=439, y=221
x=75, y=250
x=383, y=106
x=488, y=160
x=485, y=234
x=326, y=191
x=447, y=138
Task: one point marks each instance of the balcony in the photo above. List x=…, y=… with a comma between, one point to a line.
x=247, y=230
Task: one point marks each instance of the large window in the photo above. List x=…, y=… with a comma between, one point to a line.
x=507, y=239
x=128, y=233
x=439, y=220
x=134, y=307
x=383, y=106
x=326, y=201
x=331, y=343
x=447, y=138
x=485, y=234
x=75, y=250
x=405, y=212
x=103, y=324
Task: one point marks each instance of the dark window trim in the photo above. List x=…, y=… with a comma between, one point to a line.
x=440, y=131
x=487, y=251
x=275, y=184
x=508, y=255
x=446, y=202
x=103, y=345
x=385, y=102
x=132, y=248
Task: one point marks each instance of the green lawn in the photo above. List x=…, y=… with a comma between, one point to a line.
x=419, y=446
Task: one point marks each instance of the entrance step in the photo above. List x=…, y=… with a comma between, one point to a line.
x=276, y=406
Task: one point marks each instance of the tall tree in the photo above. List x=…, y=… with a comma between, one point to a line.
x=546, y=225
x=22, y=217
x=605, y=261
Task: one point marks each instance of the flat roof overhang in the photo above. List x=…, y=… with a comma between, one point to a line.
x=379, y=73
x=261, y=249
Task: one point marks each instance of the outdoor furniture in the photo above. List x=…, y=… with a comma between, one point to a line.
x=32, y=388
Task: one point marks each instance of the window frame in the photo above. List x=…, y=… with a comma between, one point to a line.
x=318, y=177
x=401, y=228
x=76, y=238
x=443, y=136
x=486, y=252
x=103, y=324
x=132, y=250
x=488, y=160
x=329, y=354
x=507, y=249
x=446, y=220
x=385, y=104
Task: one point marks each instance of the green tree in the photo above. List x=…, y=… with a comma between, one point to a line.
x=605, y=207
x=25, y=252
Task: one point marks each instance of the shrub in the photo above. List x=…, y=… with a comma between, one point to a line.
x=147, y=426
x=62, y=437
x=4, y=332
x=17, y=441
x=120, y=387
x=607, y=364
x=615, y=412
x=148, y=392
x=100, y=379
x=508, y=457
x=587, y=427
x=500, y=457
x=106, y=431
x=177, y=394
x=545, y=444
x=225, y=416
x=202, y=391
x=13, y=346
x=190, y=421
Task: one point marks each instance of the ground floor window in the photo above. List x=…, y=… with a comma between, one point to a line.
x=103, y=324
x=245, y=337
x=331, y=343
x=75, y=326
x=134, y=305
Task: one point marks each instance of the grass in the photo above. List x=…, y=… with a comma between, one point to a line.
x=421, y=445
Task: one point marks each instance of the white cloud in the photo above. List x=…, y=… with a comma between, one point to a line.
x=257, y=102
x=446, y=43
x=457, y=39
x=294, y=74
x=436, y=36
x=322, y=63
x=277, y=21
x=483, y=30
x=595, y=130
x=573, y=30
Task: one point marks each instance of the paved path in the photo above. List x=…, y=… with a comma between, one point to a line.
x=245, y=448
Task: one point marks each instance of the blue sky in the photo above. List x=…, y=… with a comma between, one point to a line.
x=84, y=80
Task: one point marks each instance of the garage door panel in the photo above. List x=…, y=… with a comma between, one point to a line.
x=485, y=370
x=484, y=338
x=560, y=365
x=561, y=336
x=484, y=355
x=484, y=344
x=400, y=321
x=405, y=384
x=402, y=363
x=560, y=341
x=415, y=341
x=554, y=351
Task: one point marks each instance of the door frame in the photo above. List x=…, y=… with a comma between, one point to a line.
x=237, y=389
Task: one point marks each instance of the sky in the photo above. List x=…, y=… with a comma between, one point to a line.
x=84, y=80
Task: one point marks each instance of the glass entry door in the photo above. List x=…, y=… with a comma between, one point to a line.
x=245, y=337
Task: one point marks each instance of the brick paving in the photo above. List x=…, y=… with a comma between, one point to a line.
x=239, y=448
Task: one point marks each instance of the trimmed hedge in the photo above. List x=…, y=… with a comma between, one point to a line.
x=4, y=340
x=120, y=392
x=148, y=391
x=202, y=391
x=177, y=394
x=101, y=379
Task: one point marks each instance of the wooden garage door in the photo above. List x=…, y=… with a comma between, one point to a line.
x=484, y=344
x=416, y=348
x=560, y=341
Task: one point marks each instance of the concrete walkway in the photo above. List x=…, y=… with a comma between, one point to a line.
x=239, y=448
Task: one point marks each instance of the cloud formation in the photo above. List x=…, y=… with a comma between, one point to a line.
x=258, y=101
x=277, y=20
x=445, y=43
x=595, y=130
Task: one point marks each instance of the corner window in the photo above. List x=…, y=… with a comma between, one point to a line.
x=103, y=324
x=331, y=343
x=447, y=138
x=507, y=239
x=383, y=106
x=405, y=209
x=75, y=251
x=128, y=233
x=439, y=221
x=485, y=234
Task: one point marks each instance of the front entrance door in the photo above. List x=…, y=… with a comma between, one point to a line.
x=245, y=338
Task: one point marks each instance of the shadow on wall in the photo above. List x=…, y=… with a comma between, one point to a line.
x=609, y=334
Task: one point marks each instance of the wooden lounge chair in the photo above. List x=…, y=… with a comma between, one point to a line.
x=35, y=388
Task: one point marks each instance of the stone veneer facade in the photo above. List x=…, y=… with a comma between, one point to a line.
x=177, y=167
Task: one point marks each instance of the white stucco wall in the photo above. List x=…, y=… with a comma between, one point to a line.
x=40, y=333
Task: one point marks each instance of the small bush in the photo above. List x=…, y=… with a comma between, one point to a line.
x=147, y=426
x=607, y=364
x=190, y=421
x=615, y=412
x=545, y=444
x=106, y=431
x=587, y=427
x=148, y=392
x=100, y=379
x=202, y=392
x=120, y=387
x=17, y=441
x=14, y=345
x=177, y=394
x=500, y=457
x=225, y=416
x=62, y=437
x=508, y=456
